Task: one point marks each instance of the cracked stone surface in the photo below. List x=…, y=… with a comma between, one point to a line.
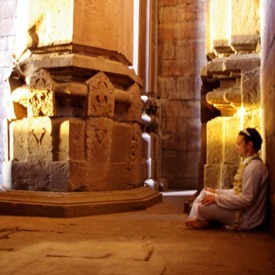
x=151, y=241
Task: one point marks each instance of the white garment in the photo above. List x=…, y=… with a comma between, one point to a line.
x=252, y=201
x=253, y=198
x=194, y=213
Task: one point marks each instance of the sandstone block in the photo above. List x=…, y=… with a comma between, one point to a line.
x=212, y=175
x=123, y=143
x=39, y=139
x=167, y=50
x=69, y=139
x=251, y=89
x=181, y=109
x=101, y=96
x=186, y=87
x=245, y=24
x=31, y=139
x=245, y=62
x=135, y=109
x=166, y=85
x=178, y=164
x=215, y=134
x=41, y=97
x=232, y=127
x=99, y=140
x=37, y=176
x=103, y=33
x=227, y=175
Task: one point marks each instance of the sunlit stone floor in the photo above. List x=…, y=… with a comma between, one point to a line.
x=151, y=241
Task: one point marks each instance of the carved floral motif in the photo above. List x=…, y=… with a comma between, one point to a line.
x=101, y=96
x=41, y=97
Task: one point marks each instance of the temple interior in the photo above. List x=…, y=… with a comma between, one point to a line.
x=113, y=115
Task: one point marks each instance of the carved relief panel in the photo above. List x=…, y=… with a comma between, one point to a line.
x=96, y=150
x=101, y=96
x=99, y=140
x=41, y=97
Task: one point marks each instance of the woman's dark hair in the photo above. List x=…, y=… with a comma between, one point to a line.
x=251, y=134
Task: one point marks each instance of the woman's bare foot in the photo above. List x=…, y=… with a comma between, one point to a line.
x=196, y=224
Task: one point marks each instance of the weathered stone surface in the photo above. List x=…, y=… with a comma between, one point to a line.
x=19, y=142
x=46, y=28
x=92, y=152
x=233, y=95
x=101, y=96
x=31, y=140
x=214, y=141
x=251, y=89
x=99, y=140
x=181, y=47
x=245, y=62
x=41, y=98
x=39, y=140
x=212, y=175
x=220, y=18
x=233, y=27
x=40, y=176
x=221, y=139
x=70, y=144
x=179, y=133
x=216, y=97
x=181, y=109
x=105, y=33
x=180, y=168
x=227, y=175
x=219, y=175
x=268, y=95
x=217, y=65
x=244, y=92
x=245, y=25
x=173, y=31
x=232, y=126
x=76, y=204
x=114, y=155
x=135, y=108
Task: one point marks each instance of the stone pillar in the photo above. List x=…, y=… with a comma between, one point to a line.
x=181, y=47
x=81, y=129
x=77, y=104
x=268, y=96
x=232, y=78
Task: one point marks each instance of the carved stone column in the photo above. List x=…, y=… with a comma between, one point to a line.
x=77, y=106
x=231, y=78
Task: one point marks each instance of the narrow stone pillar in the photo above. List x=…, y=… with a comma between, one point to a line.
x=181, y=48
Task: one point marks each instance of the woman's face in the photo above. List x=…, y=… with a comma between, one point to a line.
x=242, y=147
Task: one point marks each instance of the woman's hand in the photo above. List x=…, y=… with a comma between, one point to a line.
x=209, y=189
x=208, y=199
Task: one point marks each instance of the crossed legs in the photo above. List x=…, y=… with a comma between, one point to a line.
x=206, y=214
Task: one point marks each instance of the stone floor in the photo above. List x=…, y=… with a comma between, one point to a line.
x=151, y=241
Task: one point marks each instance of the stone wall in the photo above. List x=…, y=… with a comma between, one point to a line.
x=181, y=48
x=7, y=35
x=232, y=81
x=268, y=94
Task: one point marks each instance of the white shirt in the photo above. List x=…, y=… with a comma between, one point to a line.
x=253, y=198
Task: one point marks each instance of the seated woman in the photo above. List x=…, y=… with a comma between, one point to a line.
x=244, y=206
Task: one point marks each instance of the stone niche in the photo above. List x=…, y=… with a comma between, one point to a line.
x=77, y=105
